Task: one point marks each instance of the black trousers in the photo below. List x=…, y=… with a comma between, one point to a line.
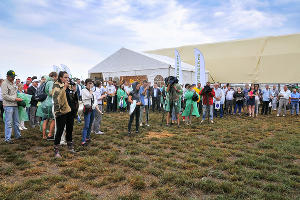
x=199, y=104
x=109, y=104
x=128, y=104
x=1, y=109
x=135, y=113
x=66, y=120
x=155, y=103
x=265, y=107
x=115, y=104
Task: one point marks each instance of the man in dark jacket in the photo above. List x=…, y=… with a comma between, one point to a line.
x=155, y=93
x=72, y=98
x=33, y=103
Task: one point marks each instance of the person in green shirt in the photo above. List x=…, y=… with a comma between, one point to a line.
x=121, y=96
x=174, y=92
x=190, y=106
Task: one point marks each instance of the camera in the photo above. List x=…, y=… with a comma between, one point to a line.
x=72, y=83
x=171, y=80
x=207, y=90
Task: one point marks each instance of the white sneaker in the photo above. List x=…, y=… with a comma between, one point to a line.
x=63, y=143
x=99, y=133
x=141, y=124
x=20, y=128
x=283, y=115
x=211, y=121
x=147, y=125
x=24, y=128
x=201, y=121
x=277, y=115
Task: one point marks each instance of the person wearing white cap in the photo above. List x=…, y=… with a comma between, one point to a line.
x=33, y=103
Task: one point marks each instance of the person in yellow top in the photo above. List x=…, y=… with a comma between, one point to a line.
x=197, y=90
x=199, y=103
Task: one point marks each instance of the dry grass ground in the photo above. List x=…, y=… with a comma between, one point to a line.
x=236, y=158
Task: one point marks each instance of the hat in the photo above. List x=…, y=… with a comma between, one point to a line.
x=28, y=79
x=11, y=73
x=35, y=80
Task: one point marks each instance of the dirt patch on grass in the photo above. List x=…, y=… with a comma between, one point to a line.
x=297, y=162
x=159, y=134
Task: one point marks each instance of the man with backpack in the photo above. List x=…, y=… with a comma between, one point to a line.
x=33, y=103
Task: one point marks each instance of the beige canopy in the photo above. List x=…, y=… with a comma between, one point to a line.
x=260, y=60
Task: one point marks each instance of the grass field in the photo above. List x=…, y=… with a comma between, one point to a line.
x=236, y=158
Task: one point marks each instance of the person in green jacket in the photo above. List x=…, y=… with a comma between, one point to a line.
x=190, y=106
x=174, y=92
x=45, y=108
x=23, y=116
x=121, y=96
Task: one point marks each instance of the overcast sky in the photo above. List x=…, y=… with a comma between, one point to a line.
x=36, y=34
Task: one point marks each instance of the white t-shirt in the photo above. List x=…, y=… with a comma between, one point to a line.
x=98, y=93
x=229, y=95
x=286, y=94
x=110, y=89
x=218, y=93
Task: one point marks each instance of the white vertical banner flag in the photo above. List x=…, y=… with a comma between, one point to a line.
x=200, y=68
x=178, y=70
x=65, y=68
x=56, y=69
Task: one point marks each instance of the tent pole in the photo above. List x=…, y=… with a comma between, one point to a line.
x=169, y=69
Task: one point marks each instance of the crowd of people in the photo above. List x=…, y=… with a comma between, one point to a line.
x=56, y=101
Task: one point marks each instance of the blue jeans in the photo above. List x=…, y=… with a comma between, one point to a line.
x=238, y=106
x=174, y=116
x=88, y=121
x=295, y=106
x=78, y=119
x=220, y=110
x=11, y=120
x=211, y=108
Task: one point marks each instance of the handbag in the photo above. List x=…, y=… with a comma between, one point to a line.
x=87, y=109
x=21, y=103
x=195, y=97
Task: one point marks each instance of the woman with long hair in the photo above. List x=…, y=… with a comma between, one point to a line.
x=251, y=101
x=257, y=99
x=62, y=112
x=90, y=103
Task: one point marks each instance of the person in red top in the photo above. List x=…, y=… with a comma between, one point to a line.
x=208, y=96
x=27, y=84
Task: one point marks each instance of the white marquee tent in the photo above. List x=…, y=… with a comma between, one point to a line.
x=126, y=62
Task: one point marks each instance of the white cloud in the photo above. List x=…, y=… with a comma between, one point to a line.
x=172, y=27
x=107, y=25
x=32, y=54
x=243, y=15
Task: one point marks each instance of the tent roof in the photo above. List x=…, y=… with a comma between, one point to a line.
x=128, y=60
x=261, y=60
